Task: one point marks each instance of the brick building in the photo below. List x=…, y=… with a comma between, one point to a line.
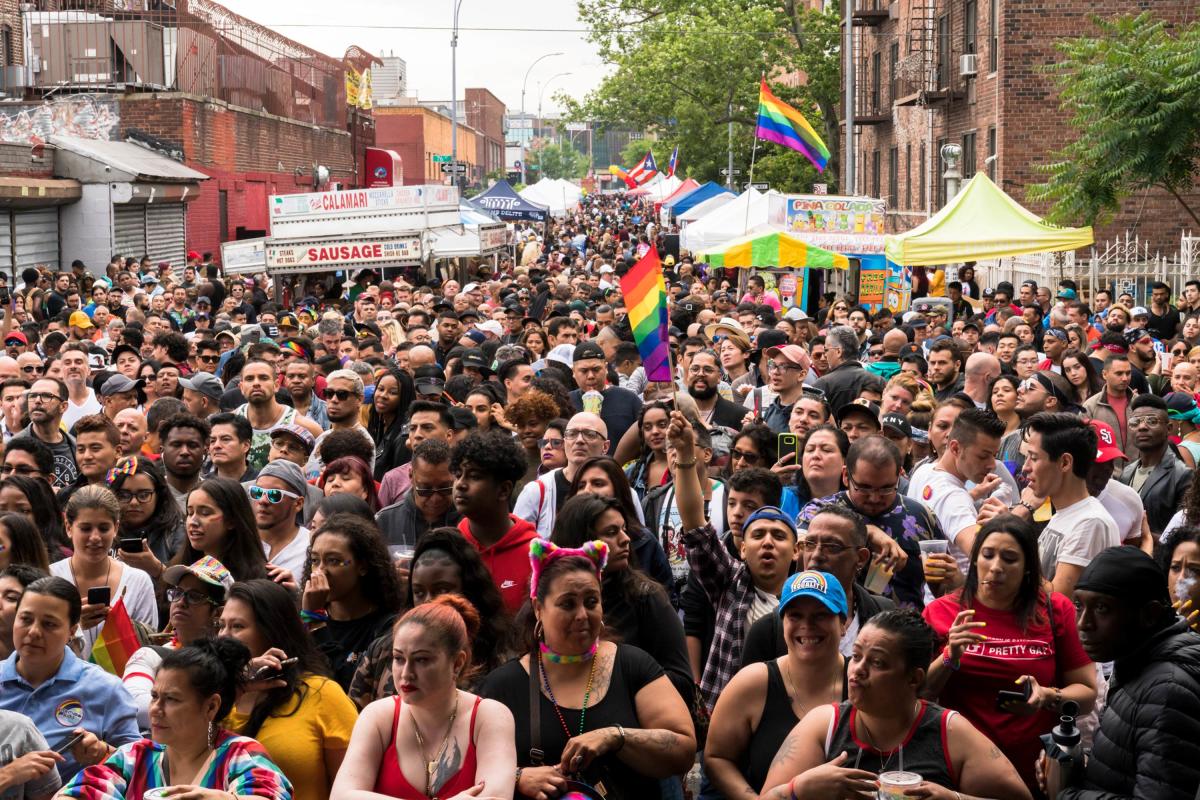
x=916, y=91
x=485, y=113
x=418, y=133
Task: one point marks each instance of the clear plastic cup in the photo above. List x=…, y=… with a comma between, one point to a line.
x=929, y=546
x=592, y=402
x=402, y=555
x=893, y=785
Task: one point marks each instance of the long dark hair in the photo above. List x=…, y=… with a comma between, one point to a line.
x=573, y=526
x=25, y=543
x=622, y=493
x=1094, y=381
x=274, y=612
x=242, y=552
x=1012, y=380
x=47, y=513
x=1191, y=500
x=376, y=426
x=494, y=639
x=1030, y=597
x=379, y=585
x=166, y=517
x=659, y=405
x=213, y=666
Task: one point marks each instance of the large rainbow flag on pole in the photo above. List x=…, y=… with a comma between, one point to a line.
x=646, y=298
x=780, y=123
x=117, y=640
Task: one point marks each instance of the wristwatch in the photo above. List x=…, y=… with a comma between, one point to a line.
x=1028, y=506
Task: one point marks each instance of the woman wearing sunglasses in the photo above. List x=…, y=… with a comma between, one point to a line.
x=220, y=525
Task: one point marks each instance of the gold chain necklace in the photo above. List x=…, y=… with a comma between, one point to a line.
x=431, y=763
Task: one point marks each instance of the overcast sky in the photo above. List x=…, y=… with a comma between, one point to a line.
x=488, y=55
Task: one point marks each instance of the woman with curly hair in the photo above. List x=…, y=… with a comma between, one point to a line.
x=394, y=393
x=549, y=383
x=535, y=342
x=443, y=563
x=351, y=591
x=754, y=446
x=148, y=511
x=530, y=414
x=220, y=523
x=349, y=475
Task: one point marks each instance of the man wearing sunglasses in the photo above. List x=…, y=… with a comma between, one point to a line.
x=344, y=392
x=428, y=504
x=277, y=496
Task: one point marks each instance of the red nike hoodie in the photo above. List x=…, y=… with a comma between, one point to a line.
x=507, y=560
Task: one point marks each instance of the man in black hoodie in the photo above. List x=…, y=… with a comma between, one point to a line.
x=1148, y=743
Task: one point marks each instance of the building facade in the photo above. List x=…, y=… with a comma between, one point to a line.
x=418, y=133
x=972, y=73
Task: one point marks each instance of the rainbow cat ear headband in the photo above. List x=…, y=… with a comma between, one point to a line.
x=542, y=553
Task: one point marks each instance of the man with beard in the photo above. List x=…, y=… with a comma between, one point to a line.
x=704, y=373
x=1045, y=391
x=264, y=411
x=945, y=368
x=343, y=397
x=184, y=442
x=47, y=400
x=277, y=496
x=1158, y=475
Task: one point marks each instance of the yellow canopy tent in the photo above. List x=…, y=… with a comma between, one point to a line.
x=981, y=222
x=776, y=249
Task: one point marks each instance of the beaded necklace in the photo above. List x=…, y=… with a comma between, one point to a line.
x=586, y=694
x=558, y=658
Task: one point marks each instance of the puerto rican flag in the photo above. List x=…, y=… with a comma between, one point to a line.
x=644, y=171
x=671, y=163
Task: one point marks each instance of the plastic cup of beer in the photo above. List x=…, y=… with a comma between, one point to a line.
x=592, y=401
x=929, y=546
x=893, y=785
x=402, y=555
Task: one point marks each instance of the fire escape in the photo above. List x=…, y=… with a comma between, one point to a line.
x=925, y=76
x=873, y=94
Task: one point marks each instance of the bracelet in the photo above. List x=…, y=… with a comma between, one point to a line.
x=949, y=662
x=1027, y=506
x=319, y=615
x=518, y=777
x=1058, y=700
x=621, y=732
x=681, y=465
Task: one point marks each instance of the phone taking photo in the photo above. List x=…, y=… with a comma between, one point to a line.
x=99, y=596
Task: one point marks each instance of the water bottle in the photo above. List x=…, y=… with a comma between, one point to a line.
x=1067, y=764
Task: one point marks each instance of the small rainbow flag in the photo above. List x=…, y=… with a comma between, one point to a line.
x=117, y=641
x=646, y=298
x=780, y=123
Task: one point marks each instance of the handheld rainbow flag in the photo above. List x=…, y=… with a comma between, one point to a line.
x=780, y=123
x=117, y=641
x=646, y=298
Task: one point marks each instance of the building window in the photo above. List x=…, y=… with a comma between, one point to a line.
x=940, y=192
x=943, y=51
x=994, y=30
x=893, y=62
x=893, y=176
x=970, y=25
x=968, y=156
x=922, y=173
x=908, y=177
x=876, y=79
x=875, y=173
x=992, y=159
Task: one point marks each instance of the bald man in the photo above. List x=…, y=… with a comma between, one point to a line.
x=9, y=368
x=421, y=356
x=31, y=366
x=981, y=370
x=889, y=363
x=132, y=425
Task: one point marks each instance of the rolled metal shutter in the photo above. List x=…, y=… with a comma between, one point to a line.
x=6, y=244
x=36, y=237
x=166, y=233
x=129, y=230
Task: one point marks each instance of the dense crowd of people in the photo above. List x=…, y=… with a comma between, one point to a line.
x=401, y=536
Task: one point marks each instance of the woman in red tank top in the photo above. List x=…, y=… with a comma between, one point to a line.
x=432, y=741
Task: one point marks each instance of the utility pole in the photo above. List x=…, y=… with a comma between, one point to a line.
x=848, y=101
x=524, y=81
x=454, y=95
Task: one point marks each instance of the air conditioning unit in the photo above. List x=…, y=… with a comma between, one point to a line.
x=968, y=65
x=894, y=9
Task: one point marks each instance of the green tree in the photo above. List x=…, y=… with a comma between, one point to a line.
x=632, y=153
x=684, y=69
x=1133, y=93
x=559, y=161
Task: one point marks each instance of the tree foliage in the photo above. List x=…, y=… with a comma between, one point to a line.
x=1133, y=93
x=559, y=161
x=684, y=69
x=632, y=153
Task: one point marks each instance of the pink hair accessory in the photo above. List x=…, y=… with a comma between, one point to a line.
x=542, y=553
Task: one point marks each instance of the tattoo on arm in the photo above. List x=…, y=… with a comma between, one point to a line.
x=786, y=750
x=994, y=753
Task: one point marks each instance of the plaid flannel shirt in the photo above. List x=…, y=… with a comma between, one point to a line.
x=727, y=584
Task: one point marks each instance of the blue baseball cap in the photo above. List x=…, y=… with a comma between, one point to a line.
x=819, y=585
x=770, y=512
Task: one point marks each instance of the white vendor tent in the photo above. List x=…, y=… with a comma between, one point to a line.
x=559, y=195
x=658, y=188
x=701, y=210
x=745, y=214
x=479, y=234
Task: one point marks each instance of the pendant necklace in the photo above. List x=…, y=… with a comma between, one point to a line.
x=431, y=764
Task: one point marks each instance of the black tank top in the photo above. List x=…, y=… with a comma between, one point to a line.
x=774, y=725
x=923, y=750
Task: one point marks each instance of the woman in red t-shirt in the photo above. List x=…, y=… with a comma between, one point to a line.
x=1002, y=632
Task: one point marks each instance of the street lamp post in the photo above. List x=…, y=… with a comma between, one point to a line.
x=541, y=93
x=523, y=83
x=454, y=94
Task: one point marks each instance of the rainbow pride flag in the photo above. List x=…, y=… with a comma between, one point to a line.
x=646, y=298
x=780, y=123
x=117, y=641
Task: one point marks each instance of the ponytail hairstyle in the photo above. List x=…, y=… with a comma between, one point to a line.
x=213, y=666
x=453, y=622
x=92, y=496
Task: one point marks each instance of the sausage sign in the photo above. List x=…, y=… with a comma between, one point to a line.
x=323, y=255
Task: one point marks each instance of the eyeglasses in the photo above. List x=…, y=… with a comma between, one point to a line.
x=189, y=597
x=702, y=370
x=871, y=491
x=272, y=496
x=20, y=469
x=583, y=433
x=780, y=366
x=329, y=561
x=342, y=395
x=142, y=496
x=430, y=491
x=1146, y=420
x=832, y=548
x=44, y=397
x=553, y=444
x=744, y=455
x=33, y=369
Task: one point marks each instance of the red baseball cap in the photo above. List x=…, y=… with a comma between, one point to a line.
x=16, y=336
x=1106, y=445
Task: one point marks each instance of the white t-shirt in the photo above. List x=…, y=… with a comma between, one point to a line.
x=1125, y=507
x=139, y=600
x=1075, y=535
x=292, y=556
x=74, y=413
x=947, y=497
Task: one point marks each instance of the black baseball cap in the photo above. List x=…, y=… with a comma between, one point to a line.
x=897, y=423
x=860, y=406
x=585, y=350
x=429, y=380
x=475, y=359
